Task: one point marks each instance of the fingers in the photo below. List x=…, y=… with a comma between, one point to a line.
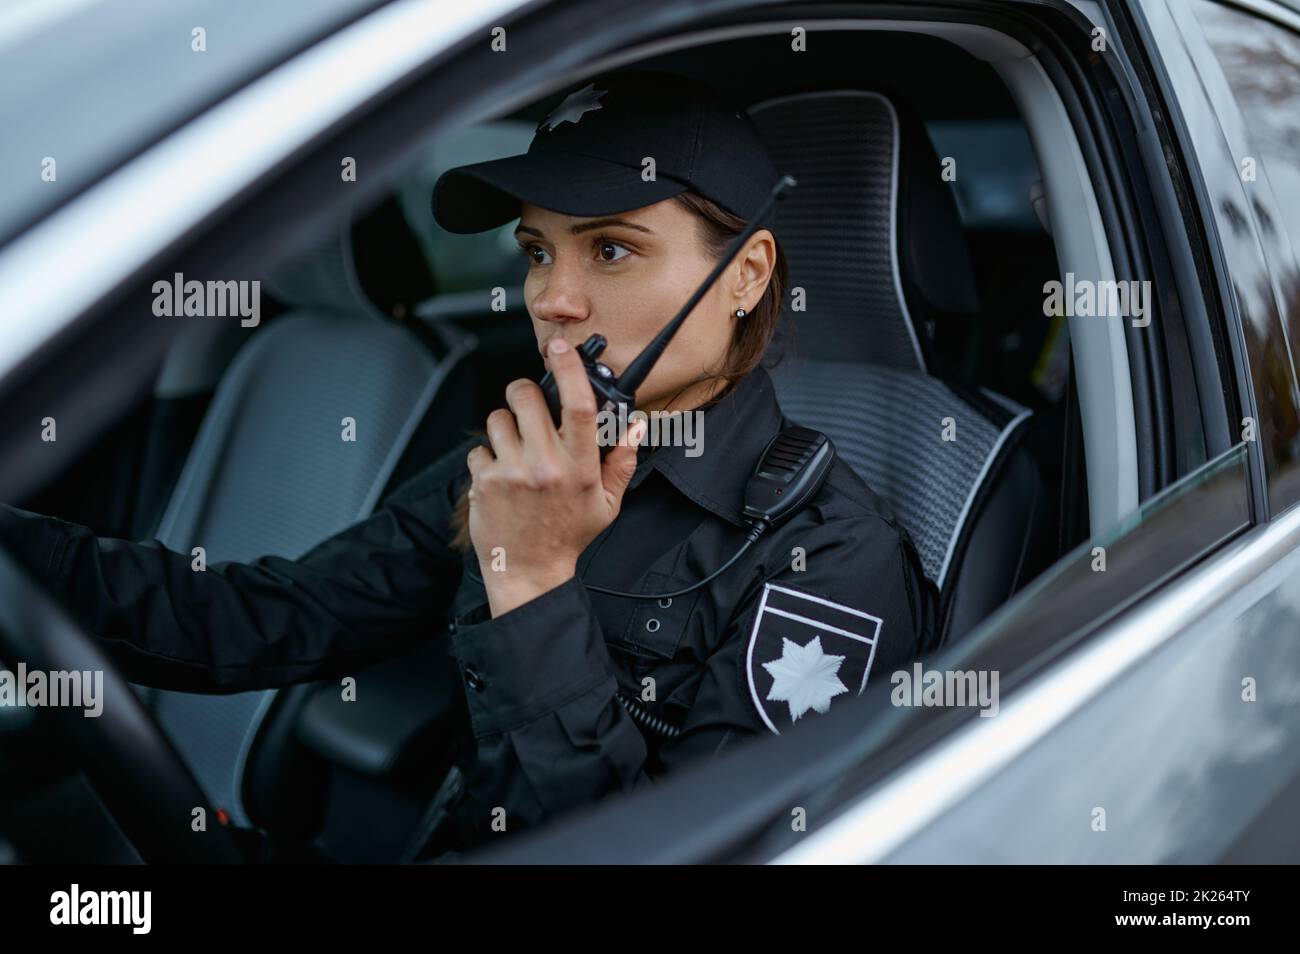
x=620, y=464
x=524, y=436
x=503, y=433
x=531, y=413
x=577, y=400
x=478, y=458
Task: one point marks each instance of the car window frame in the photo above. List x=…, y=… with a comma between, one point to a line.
x=220, y=236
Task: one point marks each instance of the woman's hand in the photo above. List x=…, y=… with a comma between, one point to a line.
x=540, y=496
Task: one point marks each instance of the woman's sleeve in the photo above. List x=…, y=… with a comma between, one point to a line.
x=541, y=689
x=376, y=589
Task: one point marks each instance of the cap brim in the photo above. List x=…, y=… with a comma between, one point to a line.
x=485, y=195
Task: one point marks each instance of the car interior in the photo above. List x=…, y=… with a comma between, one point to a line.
x=939, y=184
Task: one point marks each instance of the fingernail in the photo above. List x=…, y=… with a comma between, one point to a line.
x=557, y=346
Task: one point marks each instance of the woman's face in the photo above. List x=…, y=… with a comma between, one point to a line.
x=625, y=276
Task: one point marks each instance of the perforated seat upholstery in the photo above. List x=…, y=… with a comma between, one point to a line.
x=876, y=254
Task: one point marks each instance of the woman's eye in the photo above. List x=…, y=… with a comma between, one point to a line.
x=536, y=254
x=608, y=251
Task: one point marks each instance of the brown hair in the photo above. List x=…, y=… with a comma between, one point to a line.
x=753, y=333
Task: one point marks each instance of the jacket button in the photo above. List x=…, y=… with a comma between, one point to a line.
x=652, y=625
x=474, y=680
x=666, y=602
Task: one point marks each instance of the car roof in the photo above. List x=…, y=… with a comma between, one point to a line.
x=91, y=84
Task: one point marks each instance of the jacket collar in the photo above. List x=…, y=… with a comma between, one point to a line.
x=732, y=435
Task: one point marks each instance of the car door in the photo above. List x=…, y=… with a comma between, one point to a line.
x=1171, y=733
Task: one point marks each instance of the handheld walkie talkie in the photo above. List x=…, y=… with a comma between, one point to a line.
x=615, y=391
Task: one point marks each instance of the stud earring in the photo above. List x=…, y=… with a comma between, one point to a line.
x=740, y=313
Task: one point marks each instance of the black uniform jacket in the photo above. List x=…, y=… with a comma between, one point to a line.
x=820, y=604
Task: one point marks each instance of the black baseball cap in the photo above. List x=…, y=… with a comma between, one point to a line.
x=586, y=157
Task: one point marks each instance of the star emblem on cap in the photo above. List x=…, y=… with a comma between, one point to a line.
x=575, y=106
x=805, y=677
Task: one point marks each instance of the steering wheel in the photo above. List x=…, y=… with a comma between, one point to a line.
x=143, y=782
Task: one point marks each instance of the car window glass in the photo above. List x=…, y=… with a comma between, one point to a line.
x=467, y=262
x=1261, y=61
x=999, y=171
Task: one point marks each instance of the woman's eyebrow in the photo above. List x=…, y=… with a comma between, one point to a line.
x=588, y=226
x=606, y=223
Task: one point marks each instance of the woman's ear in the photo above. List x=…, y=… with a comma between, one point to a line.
x=755, y=263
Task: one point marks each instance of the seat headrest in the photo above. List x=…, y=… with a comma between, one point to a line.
x=871, y=233
x=377, y=251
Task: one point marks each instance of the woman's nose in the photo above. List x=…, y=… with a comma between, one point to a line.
x=563, y=296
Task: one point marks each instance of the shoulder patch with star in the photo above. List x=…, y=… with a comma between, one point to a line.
x=805, y=652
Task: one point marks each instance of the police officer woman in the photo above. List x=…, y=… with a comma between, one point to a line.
x=527, y=543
